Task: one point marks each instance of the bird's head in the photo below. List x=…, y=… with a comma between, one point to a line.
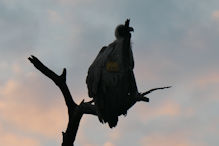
x=121, y=31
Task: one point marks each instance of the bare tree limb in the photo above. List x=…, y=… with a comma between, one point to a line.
x=141, y=96
x=60, y=81
x=151, y=90
x=75, y=111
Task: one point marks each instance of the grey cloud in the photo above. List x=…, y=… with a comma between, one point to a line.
x=18, y=28
x=164, y=31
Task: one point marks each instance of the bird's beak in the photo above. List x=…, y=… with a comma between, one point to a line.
x=131, y=29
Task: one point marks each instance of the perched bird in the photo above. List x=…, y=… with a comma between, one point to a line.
x=110, y=78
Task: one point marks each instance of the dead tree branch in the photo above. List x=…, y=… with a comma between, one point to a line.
x=76, y=111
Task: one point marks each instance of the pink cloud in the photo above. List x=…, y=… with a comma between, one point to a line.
x=83, y=140
x=108, y=144
x=22, y=109
x=167, y=108
x=11, y=139
x=174, y=139
x=215, y=15
x=208, y=79
x=115, y=134
x=205, y=83
x=30, y=118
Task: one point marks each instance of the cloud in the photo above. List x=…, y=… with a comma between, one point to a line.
x=204, y=85
x=73, y=2
x=163, y=109
x=115, y=135
x=211, y=78
x=175, y=42
x=108, y=144
x=54, y=16
x=19, y=30
x=10, y=139
x=22, y=108
x=215, y=15
x=174, y=139
x=168, y=109
x=30, y=118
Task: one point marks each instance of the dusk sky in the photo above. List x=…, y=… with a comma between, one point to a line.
x=175, y=42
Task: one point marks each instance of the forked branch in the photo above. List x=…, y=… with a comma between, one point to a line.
x=76, y=111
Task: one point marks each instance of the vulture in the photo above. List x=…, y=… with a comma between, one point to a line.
x=110, y=79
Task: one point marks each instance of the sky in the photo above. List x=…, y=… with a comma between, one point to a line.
x=175, y=43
